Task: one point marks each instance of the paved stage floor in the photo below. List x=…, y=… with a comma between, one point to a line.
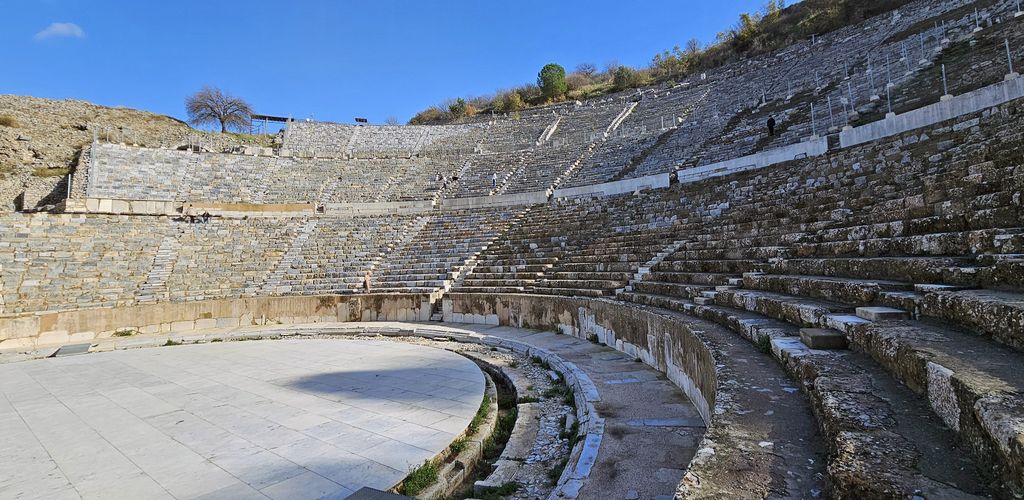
x=280, y=419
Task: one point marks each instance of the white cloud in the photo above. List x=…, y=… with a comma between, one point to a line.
x=60, y=30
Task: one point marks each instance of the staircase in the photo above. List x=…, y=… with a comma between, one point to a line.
x=184, y=189
x=459, y=276
x=513, y=173
x=287, y=261
x=155, y=287
x=620, y=118
x=452, y=186
x=549, y=131
x=592, y=146
x=408, y=234
x=646, y=268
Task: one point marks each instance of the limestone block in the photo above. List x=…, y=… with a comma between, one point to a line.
x=81, y=337
x=119, y=207
x=203, y=324
x=881, y=313
x=821, y=338
x=53, y=337
x=183, y=326
x=227, y=322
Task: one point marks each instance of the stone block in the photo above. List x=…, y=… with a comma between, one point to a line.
x=881, y=313
x=203, y=324
x=704, y=301
x=182, y=326
x=227, y=322
x=53, y=337
x=821, y=338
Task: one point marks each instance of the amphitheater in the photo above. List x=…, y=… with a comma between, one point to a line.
x=655, y=299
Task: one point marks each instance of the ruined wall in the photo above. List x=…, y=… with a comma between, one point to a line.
x=657, y=339
x=33, y=330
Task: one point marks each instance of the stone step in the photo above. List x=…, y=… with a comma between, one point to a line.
x=882, y=313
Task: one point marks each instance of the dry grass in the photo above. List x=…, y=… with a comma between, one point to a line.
x=50, y=172
x=9, y=121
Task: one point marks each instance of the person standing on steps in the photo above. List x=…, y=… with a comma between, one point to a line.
x=771, y=126
x=494, y=180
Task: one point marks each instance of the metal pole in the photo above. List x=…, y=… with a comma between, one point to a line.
x=945, y=88
x=831, y=117
x=814, y=125
x=849, y=90
x=1009, y=58
x=888, y=98
x=888, y=73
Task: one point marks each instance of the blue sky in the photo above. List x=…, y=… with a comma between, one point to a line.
x=330, y=60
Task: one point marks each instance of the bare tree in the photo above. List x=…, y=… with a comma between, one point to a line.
x=586, y=69
x=210, y=105
x=392, y=120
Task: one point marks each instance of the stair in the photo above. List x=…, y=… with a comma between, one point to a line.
x=646, y=268
x=273, y=283
x=549, y=131
x=155, y=287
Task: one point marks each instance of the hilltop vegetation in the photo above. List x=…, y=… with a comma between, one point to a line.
x=773, y=27
x=41, y=139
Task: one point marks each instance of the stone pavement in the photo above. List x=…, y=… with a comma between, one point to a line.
x=277, y=419
x=651, y=429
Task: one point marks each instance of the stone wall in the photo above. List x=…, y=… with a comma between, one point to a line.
x=657, y=340
x=36, y=330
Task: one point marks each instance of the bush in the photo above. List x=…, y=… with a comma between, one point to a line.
x=8, y=121
x=420, y=478
x=627, y=78
x=577, y=81
x=430, y=116
x=458, y=108
x=551, y=81
x=508, y=102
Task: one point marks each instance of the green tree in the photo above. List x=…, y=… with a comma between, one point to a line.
x=627, y=78
x=458, y=108
x=551, y=81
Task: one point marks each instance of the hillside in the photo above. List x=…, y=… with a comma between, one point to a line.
x=47, y=135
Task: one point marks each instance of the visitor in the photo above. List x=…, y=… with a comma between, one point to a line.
x=494, y=180
x=366, y=282
x=771, y=126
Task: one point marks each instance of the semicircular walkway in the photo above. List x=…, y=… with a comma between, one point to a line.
x=277, y=419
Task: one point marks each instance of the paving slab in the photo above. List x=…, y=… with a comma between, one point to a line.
x=275, y=418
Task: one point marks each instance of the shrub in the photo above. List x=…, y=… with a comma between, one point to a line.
x=577, y=81
x=8, y=121
x=420, y=478
x=551, y=81
x=430, y=116
x=627, y=78
x=458, y=108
